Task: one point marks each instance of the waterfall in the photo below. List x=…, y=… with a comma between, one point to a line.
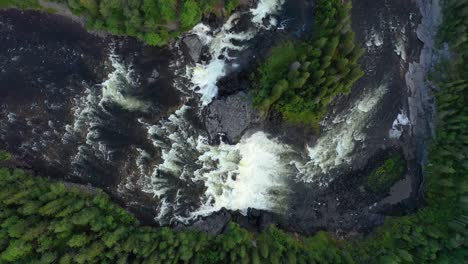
x=249, y=174
x=221, y=43
x=196, y=179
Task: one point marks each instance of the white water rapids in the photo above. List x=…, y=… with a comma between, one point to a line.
x=138, y=138
x=192, y=178
x=250, y=174
x=204, y=76
x=253, y=173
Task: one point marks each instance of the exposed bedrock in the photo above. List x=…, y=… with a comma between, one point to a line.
x=398, y=37
x=108, y=112
x=230, y=117
x=194, y=46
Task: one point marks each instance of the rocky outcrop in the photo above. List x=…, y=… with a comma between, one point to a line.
x=194, y=46
x=231, y=116
x=420, y=101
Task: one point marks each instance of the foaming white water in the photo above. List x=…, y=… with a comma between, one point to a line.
x=374, y=39
x=205, y=76
x=82, y=111
x=398, y=126
x=118, y=83
x=90, y=112
x=194, y=178
x=264, y=8
x=177, y=141
x=84, y=129
x=250, y=174
x=336, y=145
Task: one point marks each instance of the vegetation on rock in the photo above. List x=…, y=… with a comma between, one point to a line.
x=300, y=79
x=383, y=177
x=437, y=233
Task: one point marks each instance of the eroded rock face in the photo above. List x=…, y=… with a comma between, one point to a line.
x=194, y=46
x=231, y=116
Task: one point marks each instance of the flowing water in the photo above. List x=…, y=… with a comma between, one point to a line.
x=112, y=130
x=255, y=172
x=222, y=43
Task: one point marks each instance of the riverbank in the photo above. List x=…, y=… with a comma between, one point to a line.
x=120, y=115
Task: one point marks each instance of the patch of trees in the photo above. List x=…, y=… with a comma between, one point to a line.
x=455, y=27
x=382, y=178
x=4, y=155
x=152, y=21
x=301, y=79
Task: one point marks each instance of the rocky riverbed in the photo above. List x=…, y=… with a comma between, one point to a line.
x=170, y=133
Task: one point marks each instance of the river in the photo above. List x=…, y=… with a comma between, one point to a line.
x=131, y=119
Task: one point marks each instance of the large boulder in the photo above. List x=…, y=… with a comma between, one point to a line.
x=231, y=116
x=194, y=46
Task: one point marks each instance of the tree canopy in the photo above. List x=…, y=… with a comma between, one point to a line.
x=152, y=21
x=300, y=79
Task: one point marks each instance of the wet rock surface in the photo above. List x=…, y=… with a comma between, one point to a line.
x=231, y=116
x=49, y=67
x=42, y=67
x=194, y=46
x=52, y=112
x=388, y=31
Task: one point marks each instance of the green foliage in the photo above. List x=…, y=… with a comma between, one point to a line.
x=153, y=21
x=455, y=30
x=300, y=79
x=4, y=155
x=190, y=14
x=230, y=5
x=272, y=73
x=23, y=4
x=382, y=178
x=46, y=222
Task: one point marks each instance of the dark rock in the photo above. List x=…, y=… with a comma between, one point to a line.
x=231, y=116
x=213, y=225
x=343, y=206
x=194, y=46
